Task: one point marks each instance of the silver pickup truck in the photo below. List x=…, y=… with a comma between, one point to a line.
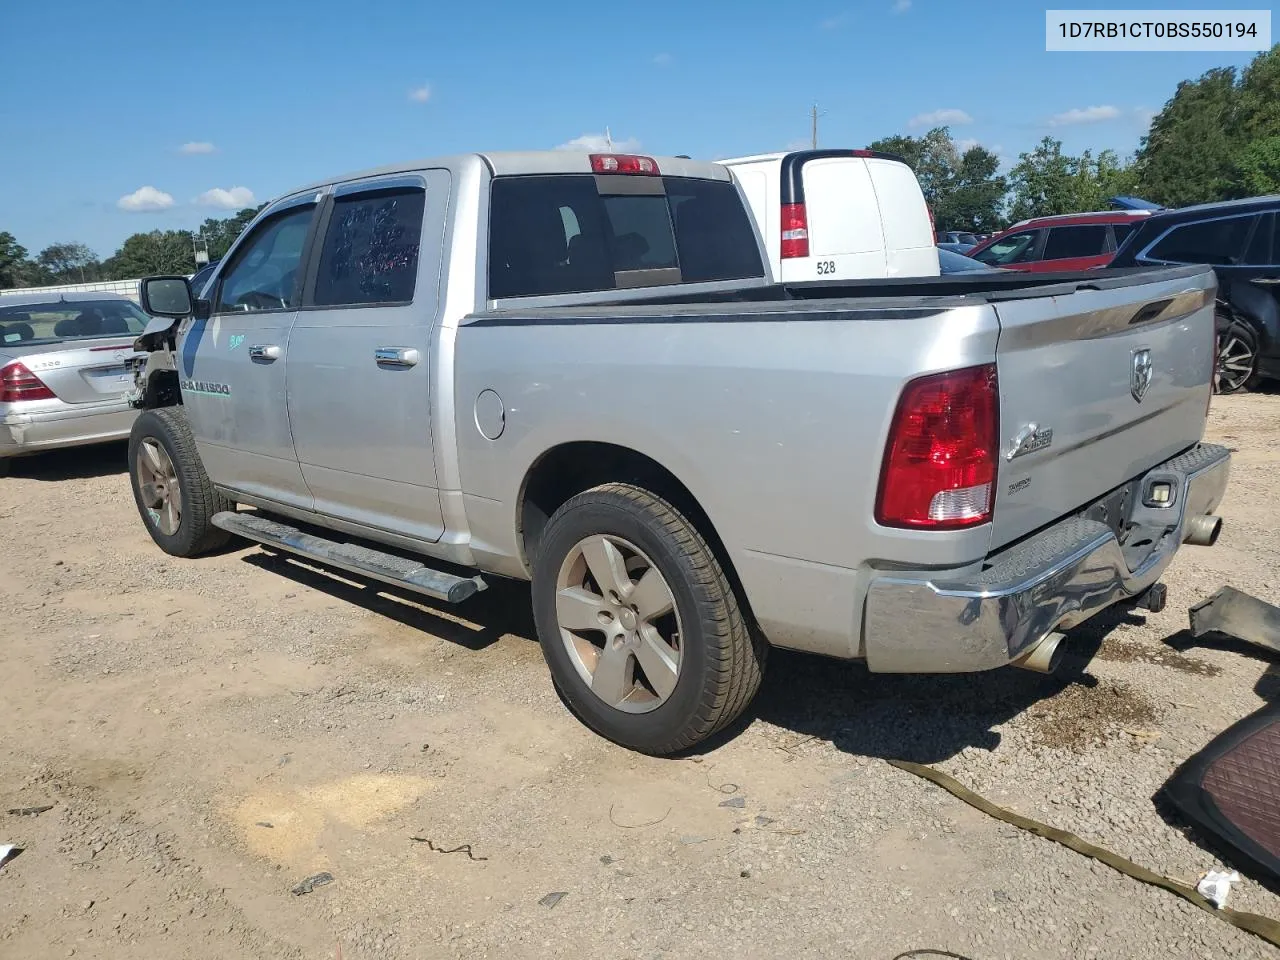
x=574, y=370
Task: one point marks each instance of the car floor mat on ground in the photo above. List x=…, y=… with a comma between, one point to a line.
x=1230, y=791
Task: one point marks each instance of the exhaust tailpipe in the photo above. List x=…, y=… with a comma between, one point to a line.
x=1045, y=656
x=1203, y=531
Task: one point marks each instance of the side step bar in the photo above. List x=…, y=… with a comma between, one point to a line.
x=386, y=567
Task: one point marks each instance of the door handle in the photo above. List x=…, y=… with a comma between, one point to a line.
x=396, y=356
x=1267, y=281
x=264, y=351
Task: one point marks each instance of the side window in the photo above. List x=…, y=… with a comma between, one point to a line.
x=1121, y=231
x=370, y=249
x=1087, y=240
x=1261, y=252
x=1216, y=242
x=1015, y=248
x=264, y=272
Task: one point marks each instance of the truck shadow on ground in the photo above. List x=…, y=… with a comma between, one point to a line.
x=501, y=609
x=75, y=463
x=925, y=718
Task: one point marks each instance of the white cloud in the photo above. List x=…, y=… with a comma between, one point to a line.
x=237, y=198
x=599, y=143
x=196, y=147
x=965, y=145
x=940, y=118
x=663, y=59
x=901, y=6
x=834, y=23
x=420, y=94
x=145, y=200
x=1144, y=116
x=1085, y=115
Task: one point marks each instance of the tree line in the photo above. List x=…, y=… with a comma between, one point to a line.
x=142, y=254
x=1217, y=138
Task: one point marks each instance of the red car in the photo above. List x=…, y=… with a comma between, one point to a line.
x=1074, y=241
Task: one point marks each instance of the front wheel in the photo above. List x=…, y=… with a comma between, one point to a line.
x=639, y=626
x=175, y=497
x=1237, y=368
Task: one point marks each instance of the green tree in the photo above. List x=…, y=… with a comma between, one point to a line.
x=70, y=262
x=1041, y=182
x=144, y=254
x=1189, y=154
x=972, y=197
x=1258, y=167
x=12, y=257
x=1260, y=96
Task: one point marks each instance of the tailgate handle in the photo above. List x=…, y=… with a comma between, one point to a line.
x=1150, y=311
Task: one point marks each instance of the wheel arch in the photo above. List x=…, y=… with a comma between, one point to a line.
x=568, y=469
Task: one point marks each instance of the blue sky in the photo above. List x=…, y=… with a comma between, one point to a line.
x=208, y=104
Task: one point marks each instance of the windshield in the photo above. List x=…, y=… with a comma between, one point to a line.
x=69, y=320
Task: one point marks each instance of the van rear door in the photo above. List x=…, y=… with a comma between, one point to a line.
x=846, y=233
x=910, y=250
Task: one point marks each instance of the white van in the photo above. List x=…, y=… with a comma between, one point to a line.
x=838, y=214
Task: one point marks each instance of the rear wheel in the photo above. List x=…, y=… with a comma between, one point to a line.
x=175, y=497
x=1237, y=368
x=639, y=626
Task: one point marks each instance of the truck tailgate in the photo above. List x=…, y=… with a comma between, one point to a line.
x=1096, y=387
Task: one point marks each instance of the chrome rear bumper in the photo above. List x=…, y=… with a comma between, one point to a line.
x=992, y=615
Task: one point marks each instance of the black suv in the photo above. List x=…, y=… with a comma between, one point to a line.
x=1240, y=239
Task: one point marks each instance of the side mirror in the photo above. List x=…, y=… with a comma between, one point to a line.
x=166, y=296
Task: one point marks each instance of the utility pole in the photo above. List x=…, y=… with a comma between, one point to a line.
x=815, y=126
x=608, y=140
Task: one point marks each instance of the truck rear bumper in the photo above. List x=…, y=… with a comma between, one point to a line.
x=991, y=615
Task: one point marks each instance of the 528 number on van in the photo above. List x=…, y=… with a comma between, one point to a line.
x=826, y=266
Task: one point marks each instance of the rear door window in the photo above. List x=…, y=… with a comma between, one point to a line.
x=370, y=249
x=1086, y=240
x=1217, y=242
x=567, y=234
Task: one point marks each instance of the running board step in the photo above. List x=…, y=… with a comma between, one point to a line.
x=386, y=567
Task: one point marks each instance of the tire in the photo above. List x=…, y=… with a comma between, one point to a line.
x=1238, y=346
x=720, y=659
x=166, y=428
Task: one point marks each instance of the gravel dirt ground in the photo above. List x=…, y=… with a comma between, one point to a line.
x=209, y=733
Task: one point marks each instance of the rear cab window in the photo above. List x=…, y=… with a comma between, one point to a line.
x=59, y=321
x=578, y=233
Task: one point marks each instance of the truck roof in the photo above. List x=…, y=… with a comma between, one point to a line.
x=515, y=163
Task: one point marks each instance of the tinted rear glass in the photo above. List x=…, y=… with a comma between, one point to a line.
x=370, y=251
x=1082, y=241
x=69, y=320
x=1217, y=242
x=558, y=234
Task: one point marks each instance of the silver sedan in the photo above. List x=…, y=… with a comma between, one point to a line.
x=64, y=370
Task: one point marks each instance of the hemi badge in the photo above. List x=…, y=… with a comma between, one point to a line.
x=1029, y=439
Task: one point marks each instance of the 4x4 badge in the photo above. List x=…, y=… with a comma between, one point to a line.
x=1140, y=374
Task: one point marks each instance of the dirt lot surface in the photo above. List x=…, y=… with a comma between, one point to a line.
x=209, y=733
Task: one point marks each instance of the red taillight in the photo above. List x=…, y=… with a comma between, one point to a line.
x=933, y=224
x=939, y=467
x=19, y=383
x=624, y=163
x=795, y=231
